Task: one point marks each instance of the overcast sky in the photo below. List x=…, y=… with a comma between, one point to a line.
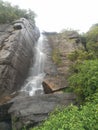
x=55, y=15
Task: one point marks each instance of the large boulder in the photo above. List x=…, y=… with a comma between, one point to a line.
x=16, y=53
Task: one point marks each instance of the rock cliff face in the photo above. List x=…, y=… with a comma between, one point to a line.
x=59, y=46
x=16, y=53
x=31, y=111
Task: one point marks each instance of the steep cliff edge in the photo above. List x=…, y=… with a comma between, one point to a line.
x=16, y=53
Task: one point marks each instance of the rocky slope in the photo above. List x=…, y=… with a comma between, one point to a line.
x=30, y=111
x=57, y=65
x=16, y=53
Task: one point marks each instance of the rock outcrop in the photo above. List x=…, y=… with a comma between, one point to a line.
x=57, y=65
x=16, y=54
x=30, y=111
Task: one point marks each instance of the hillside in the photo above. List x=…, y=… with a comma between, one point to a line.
x=82, y=79
x=48, y=81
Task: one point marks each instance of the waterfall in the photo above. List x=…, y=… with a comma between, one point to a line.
x=33, y=84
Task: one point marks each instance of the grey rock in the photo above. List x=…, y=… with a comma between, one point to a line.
x=57, y=48
x=4, y=115
x=16, y=53
x=4, y=126
x=32, y=110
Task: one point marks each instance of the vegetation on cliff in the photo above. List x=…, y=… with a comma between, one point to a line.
x=84, y=70
x=9, y=13
x=83, y=80
x=74, y=118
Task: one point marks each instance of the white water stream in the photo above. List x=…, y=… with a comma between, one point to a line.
x=33, y=83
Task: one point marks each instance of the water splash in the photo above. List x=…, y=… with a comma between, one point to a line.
x=33, y=83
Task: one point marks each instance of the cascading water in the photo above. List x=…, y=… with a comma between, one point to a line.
x=33, y=83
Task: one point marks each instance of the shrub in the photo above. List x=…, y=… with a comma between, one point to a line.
x=85, y=80
x=73, y=118
x=92, y=39
x=81, y=55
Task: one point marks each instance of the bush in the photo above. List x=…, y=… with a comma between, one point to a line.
x=81, y=55
x=73, y=118
x=85, y=80
x=92, y=39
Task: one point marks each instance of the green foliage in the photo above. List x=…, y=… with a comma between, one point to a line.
x=93, y=99
x=92, y=39
x=10, y=13
x=56, y=56
x=83, y=39
x=24, y=128
x=92, y=34
x=29, y=15
x=68, y=90
x=84, y=80
x=81, y=55
x=73, y=118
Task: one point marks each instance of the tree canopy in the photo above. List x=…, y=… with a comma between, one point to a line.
x=9, y=13
x=92, y=39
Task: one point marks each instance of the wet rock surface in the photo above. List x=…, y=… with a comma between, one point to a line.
x=30, y=111
x=16, y=53
x=5, y=117
x=5, y=126
x=24, y=110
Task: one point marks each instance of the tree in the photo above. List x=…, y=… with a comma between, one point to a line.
x=10, y=13
x=92, y=39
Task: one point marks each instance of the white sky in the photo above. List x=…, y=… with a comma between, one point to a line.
x=55, y=15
